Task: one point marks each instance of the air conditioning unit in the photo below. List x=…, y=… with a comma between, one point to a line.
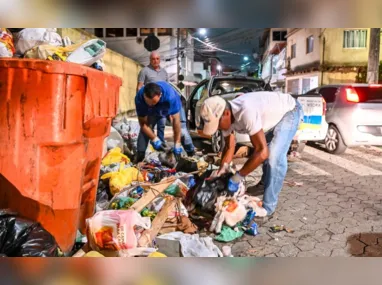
x=139, y=40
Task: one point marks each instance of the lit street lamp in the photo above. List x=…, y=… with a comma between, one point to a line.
x=202, y=32
x=246, y=58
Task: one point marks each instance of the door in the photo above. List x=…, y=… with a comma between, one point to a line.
x=330, y=95
x=193, y=107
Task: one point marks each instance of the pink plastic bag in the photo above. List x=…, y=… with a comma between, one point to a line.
x=115, y=230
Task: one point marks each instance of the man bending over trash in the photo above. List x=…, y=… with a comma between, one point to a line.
x=271, y=119
x=153, y=102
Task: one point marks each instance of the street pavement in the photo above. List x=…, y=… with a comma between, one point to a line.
x=336, y=212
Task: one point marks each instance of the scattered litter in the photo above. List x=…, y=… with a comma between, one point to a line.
x=227, y=251
x=277, y=229
x=7, y=48
x=293, y=183
x=193, y=245
x=227, y=234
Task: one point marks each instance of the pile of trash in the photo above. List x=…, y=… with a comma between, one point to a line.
x=162, y=207
x=47, y=44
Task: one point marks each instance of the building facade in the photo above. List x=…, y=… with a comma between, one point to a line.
x=273, y=46
x=318, y=57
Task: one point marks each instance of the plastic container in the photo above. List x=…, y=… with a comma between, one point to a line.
x=55, y=117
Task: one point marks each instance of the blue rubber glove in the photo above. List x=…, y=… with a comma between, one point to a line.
x=234, y=182
x=178, y=151
x=157, y=144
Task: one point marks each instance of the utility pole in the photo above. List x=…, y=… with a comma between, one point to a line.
x=373, y=63
x=177, y=56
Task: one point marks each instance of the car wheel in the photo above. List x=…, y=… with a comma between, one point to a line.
x=218, y=142
x=333, y=142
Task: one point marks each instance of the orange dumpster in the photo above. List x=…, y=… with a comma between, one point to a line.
x=53, y=121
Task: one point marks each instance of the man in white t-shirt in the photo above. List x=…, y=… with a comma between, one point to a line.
x=271, y=119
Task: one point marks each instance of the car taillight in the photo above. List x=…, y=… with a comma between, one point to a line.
x=323, y=107
x=352, y=95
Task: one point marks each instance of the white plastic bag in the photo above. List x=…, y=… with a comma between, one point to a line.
x=115, y=230
x=31, y=37
x=7, y=48
x=194, y=246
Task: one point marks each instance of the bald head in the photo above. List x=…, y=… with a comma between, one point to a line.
x=155, y=60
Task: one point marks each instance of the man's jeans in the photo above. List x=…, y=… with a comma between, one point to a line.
x=186, y=139
x=276, y=166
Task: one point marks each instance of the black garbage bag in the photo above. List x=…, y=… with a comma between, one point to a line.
x=208, y=190
x=22, y=238
x=187, y=165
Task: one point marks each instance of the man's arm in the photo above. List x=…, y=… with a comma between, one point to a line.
x=260, y=155
x=139, y=86
x=141, y=79
x=229, y=151
x=143, y=122
x=176, y=127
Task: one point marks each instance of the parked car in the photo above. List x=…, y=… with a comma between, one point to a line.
x=354, y=115
x=314, y=127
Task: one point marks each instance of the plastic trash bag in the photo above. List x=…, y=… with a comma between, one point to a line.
x=193, y=245
x=129, y=130
x=208, y=190
x=122, y=178
x=114, y=156
x=114, y=140
x=177, y=189
x=115, y=230
x=22, y=238
x=7, y=48
x=32, y=37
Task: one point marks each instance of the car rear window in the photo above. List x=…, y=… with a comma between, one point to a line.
x=369, y=94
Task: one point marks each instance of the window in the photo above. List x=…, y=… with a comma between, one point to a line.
x=309, y=44
x=279, y=36
x=164, y=31
x=133, y=32
x=355, y=38
x=293, y=86
x=329, y=94
x=114, y=32
x=98, y=32
x=293, y=51
x=147, y=31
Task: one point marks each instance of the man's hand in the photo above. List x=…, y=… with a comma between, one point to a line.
x=234, y=182
x=178, y=151
x=157, y=144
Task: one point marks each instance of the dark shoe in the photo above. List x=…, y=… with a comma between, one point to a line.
x=191, y=153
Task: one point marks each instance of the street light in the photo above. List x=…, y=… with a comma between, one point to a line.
x=246, y=58
x=202, y=32
x=219, y=67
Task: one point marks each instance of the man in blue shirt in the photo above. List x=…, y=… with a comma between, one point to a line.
x=153, y=102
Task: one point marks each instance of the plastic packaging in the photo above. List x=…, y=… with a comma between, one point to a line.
x=115, y=230
x=32, y=37
x=177, y=189
x=115, y=156
x=193, y=245
x=88, y=53
x=7, y=48
x=23, y=238
x=122, y=178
